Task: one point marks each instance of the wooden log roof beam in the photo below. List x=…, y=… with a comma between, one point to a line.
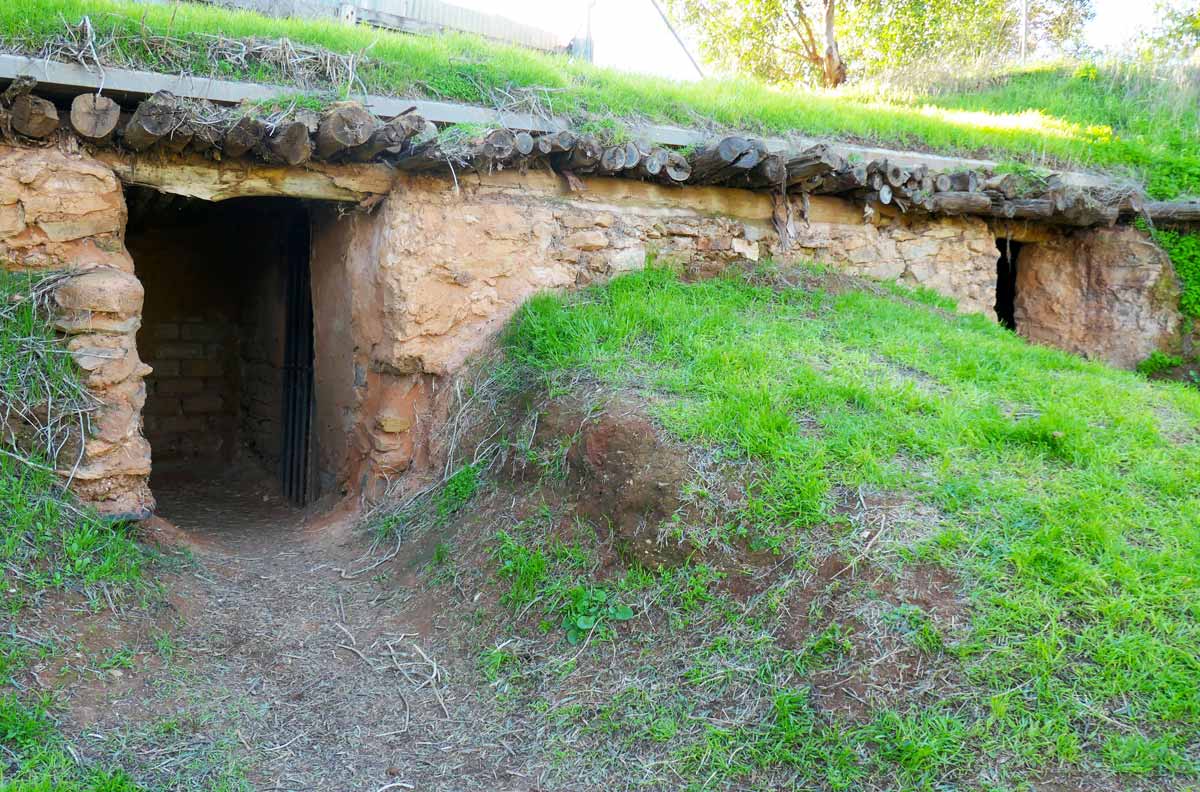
x=70, y=78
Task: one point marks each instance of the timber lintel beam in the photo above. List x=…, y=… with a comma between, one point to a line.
x=196, y=177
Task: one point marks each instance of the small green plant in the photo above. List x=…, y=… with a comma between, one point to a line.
x=1158, y=362
x=610, y=132
x=589, y=611
x=663, y=728
x=826, y=646
x=120, y=658
x=916, y=625
x=165, y=645
x=1184, y=251
x=455, y=493
x=523, y=567
x=316, y=102
x=458, y=134
x=494, y=661
x=1030, y=179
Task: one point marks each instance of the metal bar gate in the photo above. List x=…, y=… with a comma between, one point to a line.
x=294, y=458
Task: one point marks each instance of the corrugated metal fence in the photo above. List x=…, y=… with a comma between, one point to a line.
x=436, y=15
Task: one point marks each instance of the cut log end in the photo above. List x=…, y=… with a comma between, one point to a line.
x=33, y=116
x=344, y=126
x=243, y=136
x=291, y=143
x=94, y=117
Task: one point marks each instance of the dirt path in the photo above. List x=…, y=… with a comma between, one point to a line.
x=264, y=657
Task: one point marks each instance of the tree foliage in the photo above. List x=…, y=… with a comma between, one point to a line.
x=1177, y=36
x=779, y=41
x=784, y=41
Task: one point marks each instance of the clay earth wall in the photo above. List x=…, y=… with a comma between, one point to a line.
x=405, y=294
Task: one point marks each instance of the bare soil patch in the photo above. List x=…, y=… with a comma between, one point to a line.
x=282, y=650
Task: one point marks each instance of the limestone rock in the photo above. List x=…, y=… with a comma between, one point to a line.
x=103, y=291
x=1107, y=293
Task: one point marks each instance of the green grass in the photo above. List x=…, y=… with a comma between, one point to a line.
x=48, y=543
x=1131, y=123
x=1068, y=495
x=1184, y=252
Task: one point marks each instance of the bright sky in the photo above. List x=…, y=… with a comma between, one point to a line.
x=629, y=34
x=1118, y=21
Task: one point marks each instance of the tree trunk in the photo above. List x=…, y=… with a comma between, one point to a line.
x=849, y=178
x=389, y=138
x=653, y=163
x=611, y=161
x=582, y=157
x=178, y=138
x=955, y=203
x=831, y=65
x=815, y=161
x=712, y=159
x=291, y=143
x=1174, y=211
x=677, y=168
x=523, y=144
x=344, y=126
x=205, y=137
x=556, y=142
x=499, y=145
x=154, y=119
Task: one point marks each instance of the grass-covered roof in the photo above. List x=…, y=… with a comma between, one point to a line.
x=1121, y=120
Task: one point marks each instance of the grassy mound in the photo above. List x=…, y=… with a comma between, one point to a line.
x=959, y=561
x=1128, y=121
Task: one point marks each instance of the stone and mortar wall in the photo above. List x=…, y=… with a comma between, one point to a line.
x=438, y=270
x=404, y=295
x=191, y=407
x=60, y=211
x=953, y=256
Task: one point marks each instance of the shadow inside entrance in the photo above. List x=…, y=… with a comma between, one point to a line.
x=226, y=502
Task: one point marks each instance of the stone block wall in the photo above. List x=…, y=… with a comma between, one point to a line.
x=190, y=410
x=64, y=211
x=187, y=338
x=213, y=328
x=442, y=267
x=954, y=256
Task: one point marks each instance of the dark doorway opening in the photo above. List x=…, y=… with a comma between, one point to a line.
x=228, y=329
x=1006, y=282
